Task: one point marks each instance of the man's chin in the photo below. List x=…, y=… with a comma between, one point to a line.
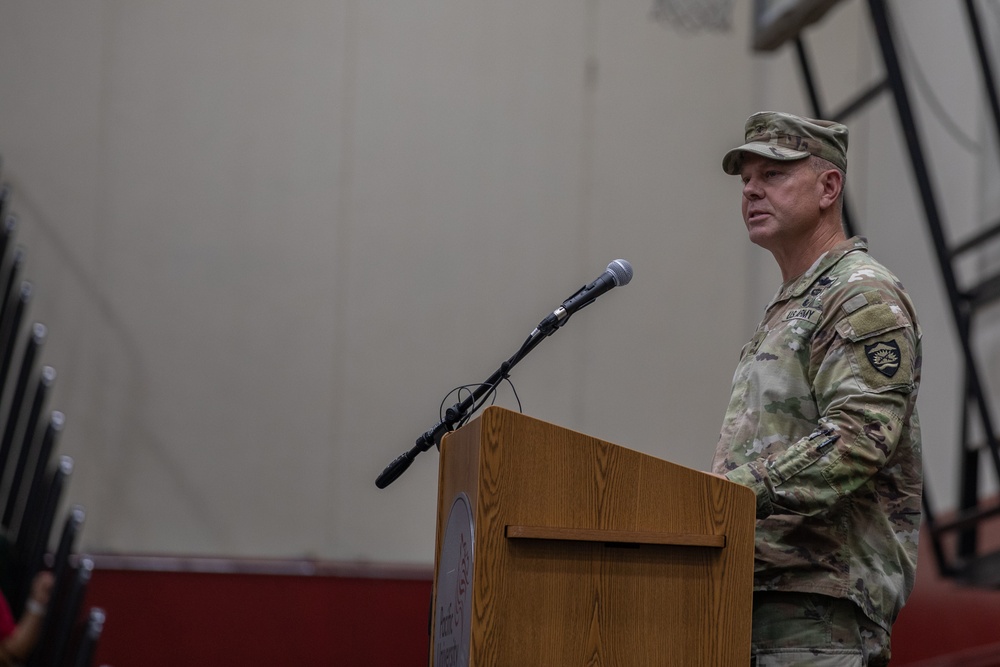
x=760, y=236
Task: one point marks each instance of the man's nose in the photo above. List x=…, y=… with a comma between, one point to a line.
x=751, y=189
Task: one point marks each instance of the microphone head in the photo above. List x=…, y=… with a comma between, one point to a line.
x=621, y=271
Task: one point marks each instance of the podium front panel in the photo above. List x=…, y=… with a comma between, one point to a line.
x=565, y=600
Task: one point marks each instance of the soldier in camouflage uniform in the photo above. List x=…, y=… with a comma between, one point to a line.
x=821, y=424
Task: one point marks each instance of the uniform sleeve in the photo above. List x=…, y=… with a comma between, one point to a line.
x=866, y=365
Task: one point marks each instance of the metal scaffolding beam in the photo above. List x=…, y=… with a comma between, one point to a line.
x=959, y=558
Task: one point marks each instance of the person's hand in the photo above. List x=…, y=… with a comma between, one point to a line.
x=41, y=591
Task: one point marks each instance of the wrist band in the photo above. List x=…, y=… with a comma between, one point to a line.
x=35, y=607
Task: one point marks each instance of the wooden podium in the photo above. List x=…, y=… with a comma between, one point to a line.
x=555, y=548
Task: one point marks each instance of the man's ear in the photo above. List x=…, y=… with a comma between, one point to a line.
x=832, y=183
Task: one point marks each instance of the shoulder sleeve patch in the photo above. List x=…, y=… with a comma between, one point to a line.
x=885, y=363
x=879, y=346
x=871, y=320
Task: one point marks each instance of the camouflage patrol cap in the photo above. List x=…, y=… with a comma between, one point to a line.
x=782, y=136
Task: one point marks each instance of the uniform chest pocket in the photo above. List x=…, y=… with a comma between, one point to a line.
x=879, y=344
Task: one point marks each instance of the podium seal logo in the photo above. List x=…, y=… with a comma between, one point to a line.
x=453, y=598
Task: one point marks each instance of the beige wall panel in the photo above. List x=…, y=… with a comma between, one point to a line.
x=269, y=238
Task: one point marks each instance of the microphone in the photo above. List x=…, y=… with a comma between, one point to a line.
x=618, y=273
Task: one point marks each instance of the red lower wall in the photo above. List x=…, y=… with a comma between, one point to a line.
x=379, y=619
x=166, y=619
x=947, y=625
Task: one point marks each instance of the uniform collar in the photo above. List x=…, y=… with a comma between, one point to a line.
x=796, y=287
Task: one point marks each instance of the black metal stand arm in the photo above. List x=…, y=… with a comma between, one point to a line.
x=458, y=413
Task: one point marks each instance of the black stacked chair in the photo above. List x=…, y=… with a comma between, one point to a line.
x=15, y=413
x=27, y=457
x=92, y=628
x=8, y=224
x=9, y=273
x=29, y=556
x=67, y=540
x=4, y=198
x=15, y=563
x=61, y=638
x=37, y=483
x=33, y=479
x=16, y=304
x=71, y=580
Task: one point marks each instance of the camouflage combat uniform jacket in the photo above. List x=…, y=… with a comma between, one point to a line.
x=822, y=426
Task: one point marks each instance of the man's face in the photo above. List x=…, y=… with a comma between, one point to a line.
x=780, y=201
